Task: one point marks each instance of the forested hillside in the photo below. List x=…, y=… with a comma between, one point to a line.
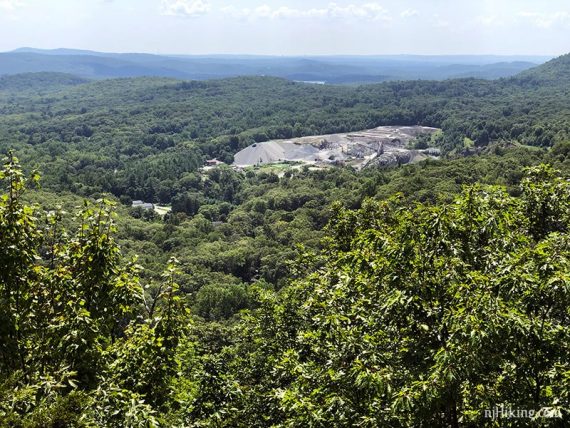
x=414, y=295
x=137, y=136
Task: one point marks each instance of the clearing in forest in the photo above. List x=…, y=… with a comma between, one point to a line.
x=385, y=145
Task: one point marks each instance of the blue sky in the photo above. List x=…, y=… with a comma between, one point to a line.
x=292, y=27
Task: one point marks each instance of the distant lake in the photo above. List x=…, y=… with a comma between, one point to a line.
x=312, y=82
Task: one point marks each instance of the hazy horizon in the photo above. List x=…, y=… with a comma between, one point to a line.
x=70, y=50
x=289, y=28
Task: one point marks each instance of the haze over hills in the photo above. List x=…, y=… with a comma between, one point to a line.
x=326, y=69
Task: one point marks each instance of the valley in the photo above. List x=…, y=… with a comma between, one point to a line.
x=258, y=252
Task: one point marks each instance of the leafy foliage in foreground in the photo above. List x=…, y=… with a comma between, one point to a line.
x=78, y=345
x=422, y=317
x=413, y=317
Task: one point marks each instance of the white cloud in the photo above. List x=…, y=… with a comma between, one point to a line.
x=372, y=11
x=10, y=5
x=546, y=20
x=369, y=11
x=185, y=8
x=409, y=13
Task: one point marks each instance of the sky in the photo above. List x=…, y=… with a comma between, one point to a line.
x=291, y=27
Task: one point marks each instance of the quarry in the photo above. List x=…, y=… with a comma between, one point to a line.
x=382, y=146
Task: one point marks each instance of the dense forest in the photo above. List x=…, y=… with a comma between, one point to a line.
x=415, y=295
x=142, y=137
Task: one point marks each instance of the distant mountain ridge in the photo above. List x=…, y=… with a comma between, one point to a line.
x=329, y=69
x=59, y=51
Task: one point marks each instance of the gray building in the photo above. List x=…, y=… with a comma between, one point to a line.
x=143, y=205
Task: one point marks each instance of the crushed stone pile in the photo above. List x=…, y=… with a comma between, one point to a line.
x=379, y=146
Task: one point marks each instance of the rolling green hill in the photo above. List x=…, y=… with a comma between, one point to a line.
x=554, y=72
x=121, y=135
x=37, y=82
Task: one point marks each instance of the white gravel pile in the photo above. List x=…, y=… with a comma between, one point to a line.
x=386, y=143
x=275, y=151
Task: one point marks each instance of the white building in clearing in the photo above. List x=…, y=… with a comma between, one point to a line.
x=143, y=205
